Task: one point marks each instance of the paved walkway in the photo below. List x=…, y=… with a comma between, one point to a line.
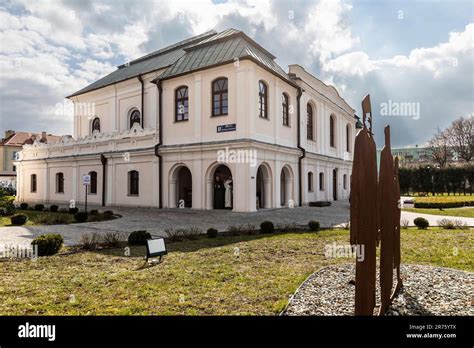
x=156, y=221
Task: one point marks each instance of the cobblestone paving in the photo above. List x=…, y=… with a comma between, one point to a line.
x=156, y=221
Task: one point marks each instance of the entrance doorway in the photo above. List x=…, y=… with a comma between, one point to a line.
x=223, y=185
x=184, y=188
x=264, y=188
x=334, y=184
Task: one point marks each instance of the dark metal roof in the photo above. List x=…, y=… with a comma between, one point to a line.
x=199, y=52
x=225, y=47
x=154, y=61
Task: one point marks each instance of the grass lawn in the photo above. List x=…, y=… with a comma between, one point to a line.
x=455, y=212
x=47, y=218
x=234, y=275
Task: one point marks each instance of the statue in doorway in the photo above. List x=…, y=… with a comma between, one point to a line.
x=219, y=193
x=228, y=192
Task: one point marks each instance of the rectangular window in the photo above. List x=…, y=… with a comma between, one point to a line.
x=33, y=183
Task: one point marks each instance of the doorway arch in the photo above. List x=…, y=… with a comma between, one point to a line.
x=219, y=187
x=180, y=187
x=286, y=186
x=264, y=187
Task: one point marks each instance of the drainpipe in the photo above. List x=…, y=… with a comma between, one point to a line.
x=103, y=159
x=303, y=155
x=143, y=99
x=160, y=135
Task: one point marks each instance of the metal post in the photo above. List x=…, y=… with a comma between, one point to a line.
x=86, y=197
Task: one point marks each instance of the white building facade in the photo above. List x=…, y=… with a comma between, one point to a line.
x=211, y=122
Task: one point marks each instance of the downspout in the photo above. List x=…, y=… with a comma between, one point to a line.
x=103, y=159
x=143, y=100
x=303, y=155
x=160, y=141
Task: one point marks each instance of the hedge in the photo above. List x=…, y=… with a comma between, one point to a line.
x=442, y=205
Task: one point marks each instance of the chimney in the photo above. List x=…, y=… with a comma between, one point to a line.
x=9, y=133
x=43, y=137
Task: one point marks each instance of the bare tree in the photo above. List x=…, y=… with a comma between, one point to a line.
x=440, y=150
x=461, y=138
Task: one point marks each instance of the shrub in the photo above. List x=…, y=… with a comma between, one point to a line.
x=448, y=224
x=48, y=244
x=138, y=237
x=267, y=227
x=51, y=219
x=24, y=206
x=191, y=233
x=173, y=235
x=54, y=208
x=19, y=219
x=404, y=223
x=211, y=232
x=421, y=223
x=94, y=212
x=39, y=207
x=73, y=210
x=234, y=230
x=111, y=239
x=313, y=225
x=108, y=214
x=320, y=204
x=81, y=216
x=6, y=206
x=89, y=241
x=443, y=205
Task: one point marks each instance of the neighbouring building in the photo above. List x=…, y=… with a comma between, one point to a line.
x=210, y=122
x=10, y=146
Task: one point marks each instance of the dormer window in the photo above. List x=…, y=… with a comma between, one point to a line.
x=95, y=125
x=135, y=117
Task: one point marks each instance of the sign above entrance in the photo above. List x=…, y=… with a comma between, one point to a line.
x=86, y=179
x=226, y=128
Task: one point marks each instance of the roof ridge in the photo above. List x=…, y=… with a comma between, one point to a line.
x=175, y=46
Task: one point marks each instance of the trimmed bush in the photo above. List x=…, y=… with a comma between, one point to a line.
x=73, y=210
x=50, y=219
x=267, y=227
x=319, y=204
x=54, y=208
x=313, y=225
x=109, y=214
x=212, y=233
x=81, y=216
x=138, y=237
x=421, y=223
x=94, y=212
x=443, y=205
x=24, y=206
x=39, y=207
x=48, y=244
x=19, y=219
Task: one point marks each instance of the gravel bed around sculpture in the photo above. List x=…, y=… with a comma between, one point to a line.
x=427, y=290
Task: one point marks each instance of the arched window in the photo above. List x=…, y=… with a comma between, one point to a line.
x=262, y=99
x=348, y=138
x=309, y=122
x=344, y=181
x=321, y=181
x=332, y=131
x=93, y=185
x=220, y=97
x=33, y=183
x=95, y=125
x=135, y=117
x=59, y=183
x=285, y=109
x=133, y=183
x=310, y=182
x=181, y=104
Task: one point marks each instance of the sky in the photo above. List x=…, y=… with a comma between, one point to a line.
x=415, y=58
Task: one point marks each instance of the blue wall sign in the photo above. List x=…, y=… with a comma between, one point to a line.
x=226, y=128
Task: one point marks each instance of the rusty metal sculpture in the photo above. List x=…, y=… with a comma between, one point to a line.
x=375, y=217
x=364, y=213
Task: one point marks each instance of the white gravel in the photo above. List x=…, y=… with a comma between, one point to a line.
x=427, y=290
